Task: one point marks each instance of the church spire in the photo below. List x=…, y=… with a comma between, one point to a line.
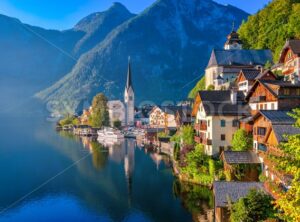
x=129, y=81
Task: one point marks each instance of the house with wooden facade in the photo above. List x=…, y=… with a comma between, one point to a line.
x=290, y=60
x=217, y=115
x=233, y=191
x=225, y=64
x=247, y=78
x=273, y=95
x=244, y=163
x=164, y=116
x=270, y=129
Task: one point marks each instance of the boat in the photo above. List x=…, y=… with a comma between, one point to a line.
x=109, y=133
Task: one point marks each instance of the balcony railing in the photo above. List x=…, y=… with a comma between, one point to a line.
x=201, y=140
x=258, y=99
x=200, y=126
x=197, y=139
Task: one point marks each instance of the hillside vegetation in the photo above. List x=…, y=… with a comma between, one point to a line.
x=271, y=26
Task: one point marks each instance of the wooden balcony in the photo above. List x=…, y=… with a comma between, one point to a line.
x=258, y=99
x=203, y=141
x=200, y=126
x=197, y=126
x=197, y=139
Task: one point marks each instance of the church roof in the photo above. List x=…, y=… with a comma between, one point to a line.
x=129, y=80
x=232, y=38
x=243, y=57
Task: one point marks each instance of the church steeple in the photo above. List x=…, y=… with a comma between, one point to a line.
x=233, y=40
x=129, y=97
x=129, y=80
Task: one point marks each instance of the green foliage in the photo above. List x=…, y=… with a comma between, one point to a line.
x=117, y=124
x=68, y=120
x=288, y=203
x=268, y=65
x=100, y=115
x=262, y=178
x=228, y=175
x=256, y=206
x=242, y=141
x=270, y=27
x=199, y=86
x=163, y=135
x=211, y=167
x=187, y=135
x=197, y=199
x=210, y=88
x=176, y=154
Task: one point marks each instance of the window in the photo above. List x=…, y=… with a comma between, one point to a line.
x=286, y=92
x=298, y=92
x=223, y=137
x=261, y=131
x=272, y=106
x=235, y=123
x=208, y=123
x=223, y=123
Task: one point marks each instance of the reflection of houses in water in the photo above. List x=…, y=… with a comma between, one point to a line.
x=157, y=158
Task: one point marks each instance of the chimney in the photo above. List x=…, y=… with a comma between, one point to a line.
x=233, y=95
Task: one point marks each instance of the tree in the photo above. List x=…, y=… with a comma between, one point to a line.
x=199, y=86
x=256, y=206
x=117, y=124
x=288, y=203
x=242, y=141
x=100, y=115
x=271, y=26
x=187, y=135
x=68, y=120
x=210, y=88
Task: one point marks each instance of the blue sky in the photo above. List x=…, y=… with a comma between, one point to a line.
x=63, y=14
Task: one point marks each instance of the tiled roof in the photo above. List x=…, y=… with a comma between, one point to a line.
x=278, y=117
x=294, y=45
x=218, y=102
x=222, y=57
x=233, y=191
x=240, y=157
x=251, y=74
x=226, y=109
x=281, y=131
x=219, y=96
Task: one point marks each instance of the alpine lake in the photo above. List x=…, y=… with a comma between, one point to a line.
x=56, y=176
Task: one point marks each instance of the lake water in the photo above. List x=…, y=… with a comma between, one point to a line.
x=47, y=176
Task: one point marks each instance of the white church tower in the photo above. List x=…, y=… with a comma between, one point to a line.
x=129, y=98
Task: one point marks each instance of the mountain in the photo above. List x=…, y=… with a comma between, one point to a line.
x=169, y=44
x=271, y=26
x=33, y=58
x=34, y=53
x=97, y=25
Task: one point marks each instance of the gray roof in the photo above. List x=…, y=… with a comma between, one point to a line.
x=240, y=157
x=226, y=109
x=243, y=57
x=219, y=96
x=250, y=74
x=294, y=45
x=218, y=102
x=233, y=190
x=278, y=117
x=281, y=131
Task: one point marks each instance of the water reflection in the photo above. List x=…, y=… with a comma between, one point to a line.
x=197, y=199
x=118, y=182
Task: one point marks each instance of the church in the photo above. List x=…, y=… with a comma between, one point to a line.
x=225, y=64
x=123, y=111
